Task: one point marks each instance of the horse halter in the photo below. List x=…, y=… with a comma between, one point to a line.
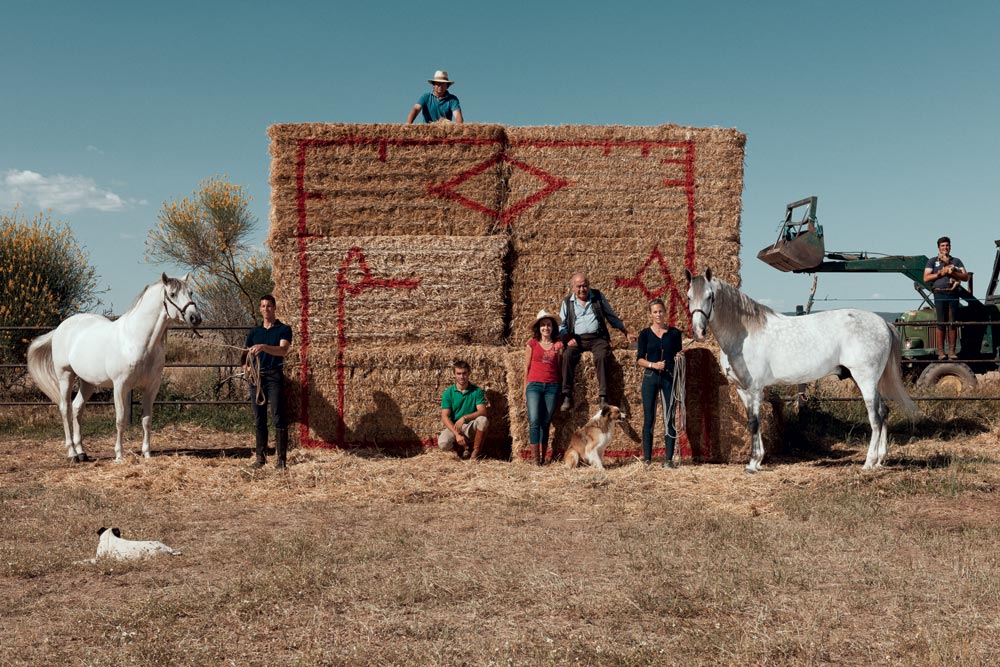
x=181, y=311
x=708, y=314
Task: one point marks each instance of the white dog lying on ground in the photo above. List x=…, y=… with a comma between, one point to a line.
x=112, y=545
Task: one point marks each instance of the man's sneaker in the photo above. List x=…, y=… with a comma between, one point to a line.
x=567, y=404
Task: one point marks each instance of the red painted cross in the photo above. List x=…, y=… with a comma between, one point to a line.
x=346, y=288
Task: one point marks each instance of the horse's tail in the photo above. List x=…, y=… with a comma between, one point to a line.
x=41, y=368
x=891, y=382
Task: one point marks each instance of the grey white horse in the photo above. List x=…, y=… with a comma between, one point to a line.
x=126, y=353
x=760, y=348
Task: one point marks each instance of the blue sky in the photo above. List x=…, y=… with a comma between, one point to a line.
x=885, y=110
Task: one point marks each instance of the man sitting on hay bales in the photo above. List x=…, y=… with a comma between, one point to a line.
x=463, y=412
x=437, y=105
x=585, y=316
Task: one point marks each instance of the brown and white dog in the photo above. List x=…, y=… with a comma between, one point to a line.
x=591, y=439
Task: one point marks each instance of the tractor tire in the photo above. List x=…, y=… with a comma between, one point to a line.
x=954, y=377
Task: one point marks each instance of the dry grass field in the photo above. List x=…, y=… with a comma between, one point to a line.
x=349, y=559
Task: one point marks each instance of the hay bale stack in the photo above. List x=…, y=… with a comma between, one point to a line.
x=392, y=396
x=394, y=289
x=363, y=180
x=631, y=206
x=414, y=243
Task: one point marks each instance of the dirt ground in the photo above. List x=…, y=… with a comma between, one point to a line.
x=360, y=559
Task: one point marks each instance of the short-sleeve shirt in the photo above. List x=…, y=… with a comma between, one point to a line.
x=944, y=282
x=462, y=403
x=278, y=332
x=434, y=108
x=544, y=363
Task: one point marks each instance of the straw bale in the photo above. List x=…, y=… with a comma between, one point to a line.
x=363, y=180
x=449, y=290
x=542, y=270
x=624, y=215
x=715, y=418
x=392, y=396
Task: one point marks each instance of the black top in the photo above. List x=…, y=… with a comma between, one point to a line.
x=273, y=336
x=655, y=349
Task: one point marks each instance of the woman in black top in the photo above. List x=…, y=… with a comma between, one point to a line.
x=658, y=344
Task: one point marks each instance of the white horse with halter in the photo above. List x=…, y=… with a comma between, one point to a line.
x=123, y=354
x=760, y=348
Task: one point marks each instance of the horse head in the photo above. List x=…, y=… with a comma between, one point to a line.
x=178, y=301
x=701, y=301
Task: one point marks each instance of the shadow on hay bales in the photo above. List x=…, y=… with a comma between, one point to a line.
x=383, y=431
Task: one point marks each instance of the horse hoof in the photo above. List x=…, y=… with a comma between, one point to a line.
x=750, y=471
x=82, y=458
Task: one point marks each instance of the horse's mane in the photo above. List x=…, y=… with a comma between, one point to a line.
x=171, y=282
x=734, y=310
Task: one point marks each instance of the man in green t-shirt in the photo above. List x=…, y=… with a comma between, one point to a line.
x=463, y=413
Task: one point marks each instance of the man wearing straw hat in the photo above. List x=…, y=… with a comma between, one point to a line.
x=463, y=413
x=438, y=104
x=585, y=316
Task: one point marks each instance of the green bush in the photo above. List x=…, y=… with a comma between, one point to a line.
x=45, y=277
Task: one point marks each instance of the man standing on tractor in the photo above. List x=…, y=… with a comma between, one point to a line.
x=946, y=273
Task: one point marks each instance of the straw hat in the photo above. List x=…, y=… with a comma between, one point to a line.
x=543, y=314
x=440, y=76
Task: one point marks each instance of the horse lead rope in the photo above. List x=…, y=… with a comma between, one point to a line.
x=678, y=396
x=252, y=372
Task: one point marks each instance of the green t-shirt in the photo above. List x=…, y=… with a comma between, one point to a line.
x=462, y=403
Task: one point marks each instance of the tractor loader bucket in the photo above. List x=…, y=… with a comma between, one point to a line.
x=800, y=244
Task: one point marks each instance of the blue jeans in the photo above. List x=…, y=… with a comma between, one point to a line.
x=541, y=398
x=656, y=388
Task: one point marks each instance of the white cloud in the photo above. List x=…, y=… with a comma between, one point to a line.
x=65, y=194
x=91, y=148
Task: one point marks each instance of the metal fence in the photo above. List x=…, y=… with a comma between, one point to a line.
x=19, y=367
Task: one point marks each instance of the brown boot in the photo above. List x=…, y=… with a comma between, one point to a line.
x=952, y=344
x=541, y=453
x=477, y=445
x=534, y=454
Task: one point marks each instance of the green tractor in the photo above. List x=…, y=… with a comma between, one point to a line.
x=800, y=248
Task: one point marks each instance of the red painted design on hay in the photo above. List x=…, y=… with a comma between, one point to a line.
x=669, y=284
x=505, y=216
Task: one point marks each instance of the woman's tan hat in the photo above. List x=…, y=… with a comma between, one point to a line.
x=544, y=314
x=440, y=76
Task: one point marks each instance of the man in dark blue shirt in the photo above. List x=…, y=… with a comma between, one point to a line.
x=268, y=343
